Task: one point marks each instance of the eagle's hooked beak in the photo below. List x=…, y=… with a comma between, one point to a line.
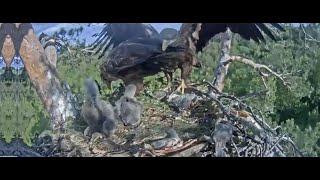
x=196, y=63
x=109, y=85
x=166, y=43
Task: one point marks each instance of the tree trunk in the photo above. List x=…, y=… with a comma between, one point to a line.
x=51, y=53
x=41, y=73
x=222, y=70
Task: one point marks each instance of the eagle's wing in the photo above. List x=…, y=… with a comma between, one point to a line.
x=130, y=54
x=114, y=34
x=201, y=33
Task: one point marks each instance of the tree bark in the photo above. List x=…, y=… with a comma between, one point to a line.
x=41, y=73
x=51, y=53
x=222, y=69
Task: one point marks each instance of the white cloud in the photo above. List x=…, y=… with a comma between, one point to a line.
x=58, y=26
x=50, y=28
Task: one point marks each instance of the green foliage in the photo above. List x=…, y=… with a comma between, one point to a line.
x=296, y=109
x=21, y=111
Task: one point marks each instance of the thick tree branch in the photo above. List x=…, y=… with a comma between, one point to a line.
x=44, y=77
x=225, y=60
x=222, y=69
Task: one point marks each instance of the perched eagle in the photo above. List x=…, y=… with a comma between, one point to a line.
x=138, y=50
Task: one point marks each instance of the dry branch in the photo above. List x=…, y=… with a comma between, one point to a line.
x=174, y=149
x=222, y=70
x=253, y=122
x=255, y=146
x=275, y=144
x=225, y=60
x=190, y=151
x=253, y=95
x=258, y=67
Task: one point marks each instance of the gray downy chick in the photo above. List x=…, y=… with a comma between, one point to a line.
x=128, y=109
x=221, y=135
x=97, y=113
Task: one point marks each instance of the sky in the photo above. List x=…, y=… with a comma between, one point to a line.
x=50, y=28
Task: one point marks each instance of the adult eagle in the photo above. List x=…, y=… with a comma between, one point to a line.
x=138, y=50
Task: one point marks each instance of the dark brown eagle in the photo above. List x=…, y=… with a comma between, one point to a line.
x=138, y=50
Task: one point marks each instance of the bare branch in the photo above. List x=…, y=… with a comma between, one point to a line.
x=255, y=94
x=87, y=50
x=313, y=40
x=190, y=151
x=256, y=66
x=288, y=139
x=305, y=36
x=308, y=37
x=222, y=70
x=174, y=149
x=264, y=82
x=235, y=146
x=253, y=123
x=275, y=144
x=305, y=33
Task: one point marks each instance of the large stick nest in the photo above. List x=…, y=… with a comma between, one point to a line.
x=237, y=130
x=234, y=130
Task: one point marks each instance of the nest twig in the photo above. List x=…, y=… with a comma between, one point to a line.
x=261, y=140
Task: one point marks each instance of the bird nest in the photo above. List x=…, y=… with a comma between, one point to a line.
x=173, y=125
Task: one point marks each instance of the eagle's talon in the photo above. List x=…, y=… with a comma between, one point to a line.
x=169, y=80
x=182, y=87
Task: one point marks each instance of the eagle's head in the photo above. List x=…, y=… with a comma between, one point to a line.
x=168, y=36
x=107, y=77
